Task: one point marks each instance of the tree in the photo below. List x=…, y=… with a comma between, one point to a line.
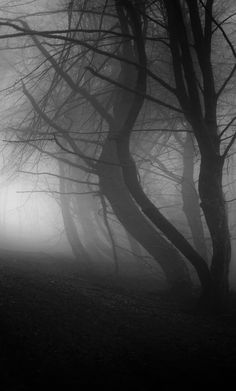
x=200, y=110
x=110, y=70
x=127, y=212
x=69, y=224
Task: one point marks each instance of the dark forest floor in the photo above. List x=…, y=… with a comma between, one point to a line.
x=61, y=329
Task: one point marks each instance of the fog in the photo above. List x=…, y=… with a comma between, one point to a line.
x=117, y=194
x=61, y=189
x=31, y=215
x=28, y=219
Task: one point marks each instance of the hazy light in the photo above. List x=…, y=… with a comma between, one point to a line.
x=29, y=219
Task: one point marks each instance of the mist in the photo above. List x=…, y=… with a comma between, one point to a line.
x=117, y=194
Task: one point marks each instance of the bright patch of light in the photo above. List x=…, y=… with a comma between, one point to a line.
x=28, y=218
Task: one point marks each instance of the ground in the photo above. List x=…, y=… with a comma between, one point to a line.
x=62, y=328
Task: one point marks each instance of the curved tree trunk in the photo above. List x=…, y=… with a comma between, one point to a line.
x=152, y=213
x=114, y=188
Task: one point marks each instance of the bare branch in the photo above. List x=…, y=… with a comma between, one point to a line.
x=135, y=92
x=59, y=176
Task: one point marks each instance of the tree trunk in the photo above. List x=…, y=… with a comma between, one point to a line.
x=70, y=228
x=154, y=215
x=135, y=247
x=113, y=186
x=190, y=198
x=199, y=106
x=214, y=208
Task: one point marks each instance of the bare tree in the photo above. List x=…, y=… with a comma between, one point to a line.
x=107, y=73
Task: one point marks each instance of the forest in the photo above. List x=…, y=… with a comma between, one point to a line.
x=118, y=193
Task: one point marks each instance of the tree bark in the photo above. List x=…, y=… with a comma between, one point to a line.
x=70, y=228
x=214, y=208
x=152, y=213
x=114, y=188
x=135, y=247
x=200, y=109
x=191, y=207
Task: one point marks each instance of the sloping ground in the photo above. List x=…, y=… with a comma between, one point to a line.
x=59, y=328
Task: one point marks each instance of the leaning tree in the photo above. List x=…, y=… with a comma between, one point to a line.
x=110, y=65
